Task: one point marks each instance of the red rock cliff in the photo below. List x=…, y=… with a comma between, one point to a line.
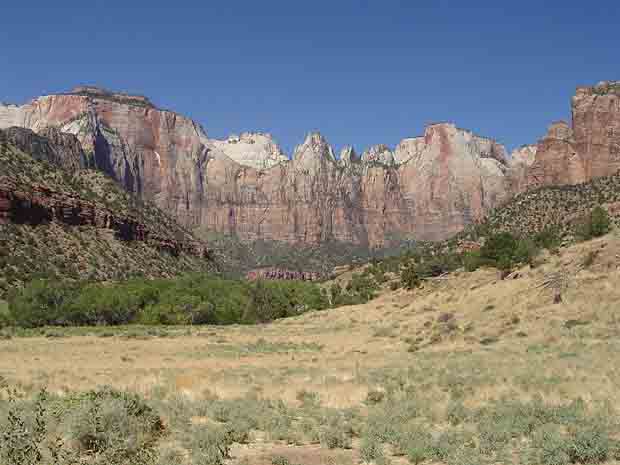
x=587, y=149
x=429, y=187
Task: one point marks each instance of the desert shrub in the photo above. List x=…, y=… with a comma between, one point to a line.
x=549, y=238
x=371, y=450
x=503, y=251
x=549, y=447
x=308, y=399
x=409, y=277
x=457, y=413
x=590, y=443
x=450, y=444
x=98, y=427
x=361, y=289
x=438, y=264
x=374, y=397
x=499, y=247
x=209, y=445
x=596, y=224
x=335, y=433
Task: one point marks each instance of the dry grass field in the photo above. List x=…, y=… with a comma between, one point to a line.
x=439, y=361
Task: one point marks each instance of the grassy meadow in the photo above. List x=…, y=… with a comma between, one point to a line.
x=467, y=369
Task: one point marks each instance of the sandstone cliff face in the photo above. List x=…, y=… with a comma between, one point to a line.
x=596, y=128
x=521, y=159
x=258, y=150
x=557, y=161
x=313, y=198
x=588, y=149
x=456, y=178
x=427, y=187
x=152, y=152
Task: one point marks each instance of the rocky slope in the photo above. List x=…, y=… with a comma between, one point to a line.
x=428, y=187
x=80, y=224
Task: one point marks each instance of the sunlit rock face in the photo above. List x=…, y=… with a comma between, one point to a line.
x=586, y=149
x=426, y=187
x=255, y=150
x=521, y=159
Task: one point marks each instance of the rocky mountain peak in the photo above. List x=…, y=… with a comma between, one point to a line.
x=348, y=156
x=380, y=153
x=105, y=94
x=559, y=130
x=315, y=147
x=256, y=150
x=602, y=88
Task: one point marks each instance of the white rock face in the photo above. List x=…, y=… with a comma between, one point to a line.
x=378, y=154
x=12, y=115
x=255, y=150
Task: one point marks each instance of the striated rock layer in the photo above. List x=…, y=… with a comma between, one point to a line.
x=587, y=149
x=428, y=187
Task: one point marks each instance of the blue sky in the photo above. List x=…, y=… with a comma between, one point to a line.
x=363, y=72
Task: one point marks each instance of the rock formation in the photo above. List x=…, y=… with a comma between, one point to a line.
x=428, y=187
x=254, y=150
x=58, y=148
x=39, y=205
x=378, y=154
x=588, y=149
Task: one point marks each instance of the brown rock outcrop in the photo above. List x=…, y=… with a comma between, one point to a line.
x=40, y=204
x=588, y=149
x=58, y=148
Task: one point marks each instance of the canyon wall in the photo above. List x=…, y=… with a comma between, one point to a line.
x=586, y=149
x=428, y=187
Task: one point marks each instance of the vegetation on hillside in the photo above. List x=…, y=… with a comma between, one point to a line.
x=60, y=252
x=190, y=299
x=241, y=256
x=562, y=208
x=499, y=249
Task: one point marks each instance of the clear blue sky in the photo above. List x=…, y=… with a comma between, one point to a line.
x=361, y=72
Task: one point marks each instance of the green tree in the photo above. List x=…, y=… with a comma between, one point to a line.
x=601, y=224
x=409, y=277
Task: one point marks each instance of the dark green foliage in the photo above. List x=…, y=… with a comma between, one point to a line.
x=503, y=251
x=549, y=238
x=499, y=247
x=409, y=277
x=596, y=224
x=360, y=289
x=191, y=299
